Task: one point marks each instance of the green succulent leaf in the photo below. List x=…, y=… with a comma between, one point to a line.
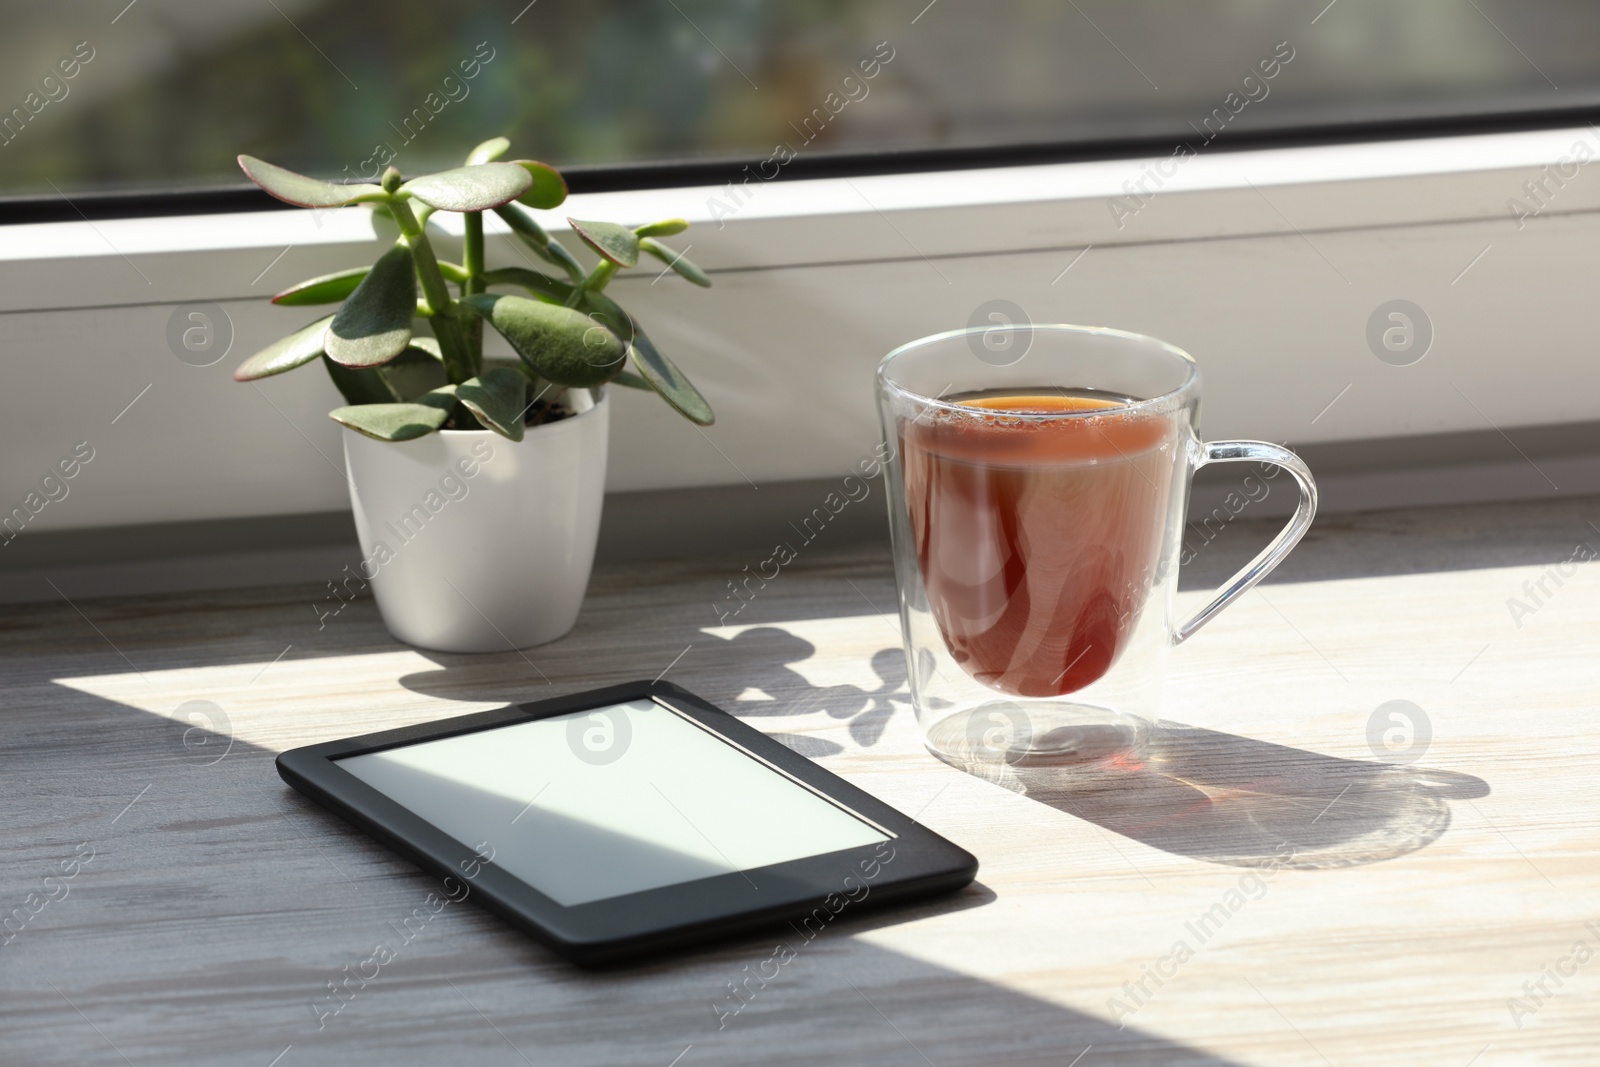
x=413, y=373
x=409, y=375
x=532, y=280
x=557, y=253
x=617, y=243
x=561, y=344
x=428, y=346
x=678, y=262
x=499, y=399
x=549, y=188
x=475, y=188
x=630, y=380
x=302, y=346
x=608, y=313
x=488, y=151
x=533, y=235
x=328, y=289
x=359, y=385
x=664, y=228
x=302, y=191
x=665, y=378
x=523, y=225
x=374, y=326
x=655, y=369
x=399, y=422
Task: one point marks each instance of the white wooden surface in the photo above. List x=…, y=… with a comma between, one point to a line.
x=1409, y=906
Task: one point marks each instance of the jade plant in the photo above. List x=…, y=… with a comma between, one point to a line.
x=402, y=383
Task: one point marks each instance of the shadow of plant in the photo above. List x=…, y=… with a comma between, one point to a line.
x=772, y=653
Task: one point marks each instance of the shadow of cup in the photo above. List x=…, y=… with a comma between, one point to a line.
x=1233, y=800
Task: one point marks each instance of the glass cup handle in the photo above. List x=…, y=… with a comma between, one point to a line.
x=1288, y=537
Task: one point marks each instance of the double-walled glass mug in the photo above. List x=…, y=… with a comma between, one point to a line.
x=1037, y=496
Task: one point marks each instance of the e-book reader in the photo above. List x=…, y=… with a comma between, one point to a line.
x=627, y=821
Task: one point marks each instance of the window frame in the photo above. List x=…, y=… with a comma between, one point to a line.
x=70, y=283
x=244, y=196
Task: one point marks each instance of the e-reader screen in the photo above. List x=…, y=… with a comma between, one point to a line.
x=610, y=801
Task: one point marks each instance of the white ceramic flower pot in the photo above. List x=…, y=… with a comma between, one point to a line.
x=474, y=543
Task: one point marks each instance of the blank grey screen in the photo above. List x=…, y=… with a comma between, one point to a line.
x=610, y=801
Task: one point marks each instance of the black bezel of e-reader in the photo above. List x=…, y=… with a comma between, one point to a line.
x=614, y=930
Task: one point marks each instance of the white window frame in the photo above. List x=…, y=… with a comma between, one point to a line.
x=1265, y=263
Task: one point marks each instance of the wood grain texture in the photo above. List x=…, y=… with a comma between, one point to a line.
x=1370, y=912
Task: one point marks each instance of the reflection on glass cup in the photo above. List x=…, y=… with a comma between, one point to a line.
x=1037, y=510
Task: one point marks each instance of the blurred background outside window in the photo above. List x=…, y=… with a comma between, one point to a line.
x=105, y=96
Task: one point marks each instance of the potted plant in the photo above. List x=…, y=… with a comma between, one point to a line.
x=476, y=483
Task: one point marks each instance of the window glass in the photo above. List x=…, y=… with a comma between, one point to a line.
x=107, y=95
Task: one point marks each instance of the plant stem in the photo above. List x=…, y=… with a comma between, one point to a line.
x=453, y=346
x=472, y=250
x=594, y=283
x=601, y=274
x=472, y=260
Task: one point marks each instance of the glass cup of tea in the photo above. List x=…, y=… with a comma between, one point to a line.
x=1037, y=493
